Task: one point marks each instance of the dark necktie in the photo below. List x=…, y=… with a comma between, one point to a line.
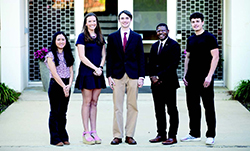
x=160, y=49
x=124, y=41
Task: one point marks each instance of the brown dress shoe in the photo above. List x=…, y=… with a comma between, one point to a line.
x=157, y=139
x=170, y=141
x=130, y=140
x=116, y=141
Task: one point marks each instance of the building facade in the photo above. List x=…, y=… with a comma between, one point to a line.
x=28, y=25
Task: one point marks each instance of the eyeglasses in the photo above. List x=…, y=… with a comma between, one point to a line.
x=161, y=31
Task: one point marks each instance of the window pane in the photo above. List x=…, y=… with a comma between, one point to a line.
x=147, y=15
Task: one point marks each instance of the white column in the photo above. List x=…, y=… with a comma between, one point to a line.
x=171, y=18
x=0, y=42
x=126, y=5
x=14, y=52
x=236, y=41
x=79, y=18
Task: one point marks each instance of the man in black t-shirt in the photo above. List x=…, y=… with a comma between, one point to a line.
x=200, y=63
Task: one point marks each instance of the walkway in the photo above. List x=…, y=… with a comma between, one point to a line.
x=23, y=126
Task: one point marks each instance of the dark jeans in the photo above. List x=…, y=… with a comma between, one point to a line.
x=58, y=108
x=163, y=96
x=193, y=93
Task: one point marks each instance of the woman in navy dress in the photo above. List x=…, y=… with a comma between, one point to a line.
x=90, y=79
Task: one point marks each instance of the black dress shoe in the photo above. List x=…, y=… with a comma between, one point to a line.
x=130, y=141
x=170, y=141
x=157, y=139
x=116, y=141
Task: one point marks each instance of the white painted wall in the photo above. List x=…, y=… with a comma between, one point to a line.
x=126, y=5
x=0, y=41
x=171, y=18
x=236, y=44
x=79, y=18
x=14, y=52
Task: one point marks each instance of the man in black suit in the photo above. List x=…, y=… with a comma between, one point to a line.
x=125, y=69
x=163, y=61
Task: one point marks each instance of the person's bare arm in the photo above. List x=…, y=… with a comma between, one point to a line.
x=186, y=68
x=214, y=62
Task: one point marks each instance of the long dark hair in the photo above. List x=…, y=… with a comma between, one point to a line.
x=99, y=38
x=67, y=50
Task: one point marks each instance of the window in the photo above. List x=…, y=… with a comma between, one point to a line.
x=147, y=15
x=46, y=18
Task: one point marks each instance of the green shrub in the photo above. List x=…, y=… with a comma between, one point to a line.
x=242, y=91
x=7, y=96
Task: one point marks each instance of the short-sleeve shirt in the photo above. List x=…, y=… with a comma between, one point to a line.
x=62, y=69
x=199, y=47
x=93, y=52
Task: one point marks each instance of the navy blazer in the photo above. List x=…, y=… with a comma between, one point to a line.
x=131, y=61
x=166, y=63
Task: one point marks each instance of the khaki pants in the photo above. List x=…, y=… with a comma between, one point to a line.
x=132, y=112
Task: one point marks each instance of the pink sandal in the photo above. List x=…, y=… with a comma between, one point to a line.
x=89, y=140
x=96, y=138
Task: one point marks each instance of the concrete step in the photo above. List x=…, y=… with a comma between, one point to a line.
x=108, y=25
x=105, y=18
x=106, y=32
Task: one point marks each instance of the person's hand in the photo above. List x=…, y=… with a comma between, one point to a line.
x=185, y=81
x=111, y=83
x=140, y=82
x=66, y=90
x=98, y=72
x=154, y=79
x=68, y=87
x=207, y=82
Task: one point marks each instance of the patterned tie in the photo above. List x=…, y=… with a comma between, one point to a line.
x=160, y=49
x=124, y=41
